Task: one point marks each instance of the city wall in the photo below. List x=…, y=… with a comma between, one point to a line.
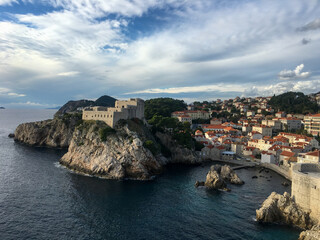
x=306, y=187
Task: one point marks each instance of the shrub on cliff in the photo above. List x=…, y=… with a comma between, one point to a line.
x=105, y=132
x=149, y=144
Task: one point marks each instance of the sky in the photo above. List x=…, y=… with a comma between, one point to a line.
x=52, y=51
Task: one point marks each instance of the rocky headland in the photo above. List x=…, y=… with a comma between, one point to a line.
x=283, y=209
x=126, y=152
x=55, y=132
x=218, y=177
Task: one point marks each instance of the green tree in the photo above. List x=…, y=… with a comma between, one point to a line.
x=163, y=107
x=294, y=102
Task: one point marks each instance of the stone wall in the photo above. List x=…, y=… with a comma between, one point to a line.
x=306, y=187
x=133, y=108
x=285, y=172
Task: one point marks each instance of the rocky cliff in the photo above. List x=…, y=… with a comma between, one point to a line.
x=312, y=234
x=119, y=153
x=179, y=154
x=279, y=208
x=55, y=132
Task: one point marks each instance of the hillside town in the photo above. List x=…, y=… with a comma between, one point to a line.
x=249, y=129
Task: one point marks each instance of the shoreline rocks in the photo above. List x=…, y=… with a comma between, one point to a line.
x=11, y=135
x=282, y=209
x=218, y=176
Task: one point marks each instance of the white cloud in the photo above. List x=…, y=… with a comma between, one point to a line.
x=8, y=92
x=68, y=74
x=16, y=94
x=7, y=2
x=195, y=89
x=32, y=104
x=292, y=74
x=209, y=43
x=310, y=86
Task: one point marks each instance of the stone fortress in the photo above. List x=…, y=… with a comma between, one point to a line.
x=123, y=109
x=306, y=187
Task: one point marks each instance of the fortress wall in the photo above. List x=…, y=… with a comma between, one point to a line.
x=306, y=187
x=133, y=108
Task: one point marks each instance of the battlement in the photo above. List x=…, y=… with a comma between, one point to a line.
x=124, y=109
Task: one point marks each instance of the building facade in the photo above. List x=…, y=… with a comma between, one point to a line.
x=126, y=109
x=312, y=124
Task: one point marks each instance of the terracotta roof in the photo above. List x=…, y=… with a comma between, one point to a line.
x=315, y=154
x=287, y=154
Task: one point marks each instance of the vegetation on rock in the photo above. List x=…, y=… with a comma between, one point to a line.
x=105, y=132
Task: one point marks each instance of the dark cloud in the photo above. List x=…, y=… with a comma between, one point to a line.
x=305, y=41
x=314, y=25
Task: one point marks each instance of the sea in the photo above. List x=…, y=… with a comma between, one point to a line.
x=39, y=199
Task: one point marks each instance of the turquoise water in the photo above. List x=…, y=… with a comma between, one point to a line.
x=41, y=200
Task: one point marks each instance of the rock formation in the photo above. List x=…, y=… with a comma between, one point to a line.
x=179, y=154
x=55, y=132
x=214, y=180
x=279, y=208
x=312, y=234
x=229, y=175
x=119, y=154
x=219, y=175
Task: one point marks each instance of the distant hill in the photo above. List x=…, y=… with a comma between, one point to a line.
x=105, y=101
x=294, y=102
x=71, y=106
x=2, y=108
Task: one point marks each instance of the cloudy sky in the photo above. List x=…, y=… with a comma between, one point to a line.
x=52, y=51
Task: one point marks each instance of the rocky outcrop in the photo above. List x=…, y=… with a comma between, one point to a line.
x=117, y=154
x=55, y=132
x=228, y=174
x=179, y=154
x=312, y=234
x=279, y=208
x=214, y=180
x=218, y=176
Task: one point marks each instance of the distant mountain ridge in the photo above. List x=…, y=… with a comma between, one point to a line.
x=72, y=106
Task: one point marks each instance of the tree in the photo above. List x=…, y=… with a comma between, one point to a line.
x=294, y=102
x=163, y=107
